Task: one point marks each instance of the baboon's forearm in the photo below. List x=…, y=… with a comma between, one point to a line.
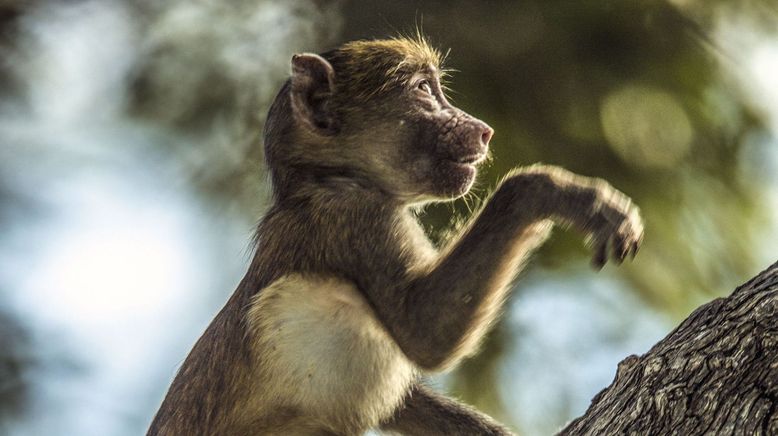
x=426, y=412
x=466, y=287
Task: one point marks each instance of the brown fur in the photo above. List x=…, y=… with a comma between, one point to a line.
x=346, y=301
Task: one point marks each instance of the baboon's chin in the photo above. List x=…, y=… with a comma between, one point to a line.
x=456, y=179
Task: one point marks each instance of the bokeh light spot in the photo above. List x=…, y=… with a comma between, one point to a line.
x=646, y=126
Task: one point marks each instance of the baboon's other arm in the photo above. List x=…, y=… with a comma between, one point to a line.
x=425, y=412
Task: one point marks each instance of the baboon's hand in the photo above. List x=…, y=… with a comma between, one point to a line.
x=612, y=224
x=609, y=219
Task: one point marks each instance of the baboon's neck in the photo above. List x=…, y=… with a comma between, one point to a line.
x=317, y=229
x=309, y=181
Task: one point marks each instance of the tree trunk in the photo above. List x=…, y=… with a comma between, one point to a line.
x=716, y=373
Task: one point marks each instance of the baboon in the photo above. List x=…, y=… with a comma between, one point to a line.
x=346, y=303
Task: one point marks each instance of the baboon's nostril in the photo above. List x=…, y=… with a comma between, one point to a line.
x=486, y=135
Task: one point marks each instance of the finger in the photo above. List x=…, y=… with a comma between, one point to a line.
x=600, y=255
x=625, y=247
x=634, y=248
x=615, y=249
x=637, y=244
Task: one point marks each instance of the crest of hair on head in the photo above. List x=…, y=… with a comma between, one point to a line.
x=372, y=67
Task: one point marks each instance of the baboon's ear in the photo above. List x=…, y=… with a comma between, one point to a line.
x=313, y=81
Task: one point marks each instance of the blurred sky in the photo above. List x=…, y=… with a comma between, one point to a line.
x=122, y=232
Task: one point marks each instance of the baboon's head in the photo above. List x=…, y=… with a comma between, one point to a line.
x=374, y=112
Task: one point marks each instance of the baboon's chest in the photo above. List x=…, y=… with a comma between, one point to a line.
x=322, y=350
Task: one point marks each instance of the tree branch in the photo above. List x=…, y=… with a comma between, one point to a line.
x=716, y=373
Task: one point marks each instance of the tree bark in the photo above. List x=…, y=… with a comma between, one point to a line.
x=716, y=373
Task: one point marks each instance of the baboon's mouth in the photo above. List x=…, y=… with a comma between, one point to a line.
x=470, y=159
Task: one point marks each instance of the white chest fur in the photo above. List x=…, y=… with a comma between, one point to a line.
x=322, y=351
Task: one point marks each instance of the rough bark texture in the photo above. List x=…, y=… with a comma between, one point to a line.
x=716, y=373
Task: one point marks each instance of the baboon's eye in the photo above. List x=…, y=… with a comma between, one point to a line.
x=425, y=86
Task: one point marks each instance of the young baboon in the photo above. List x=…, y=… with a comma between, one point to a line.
x=346, y=303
